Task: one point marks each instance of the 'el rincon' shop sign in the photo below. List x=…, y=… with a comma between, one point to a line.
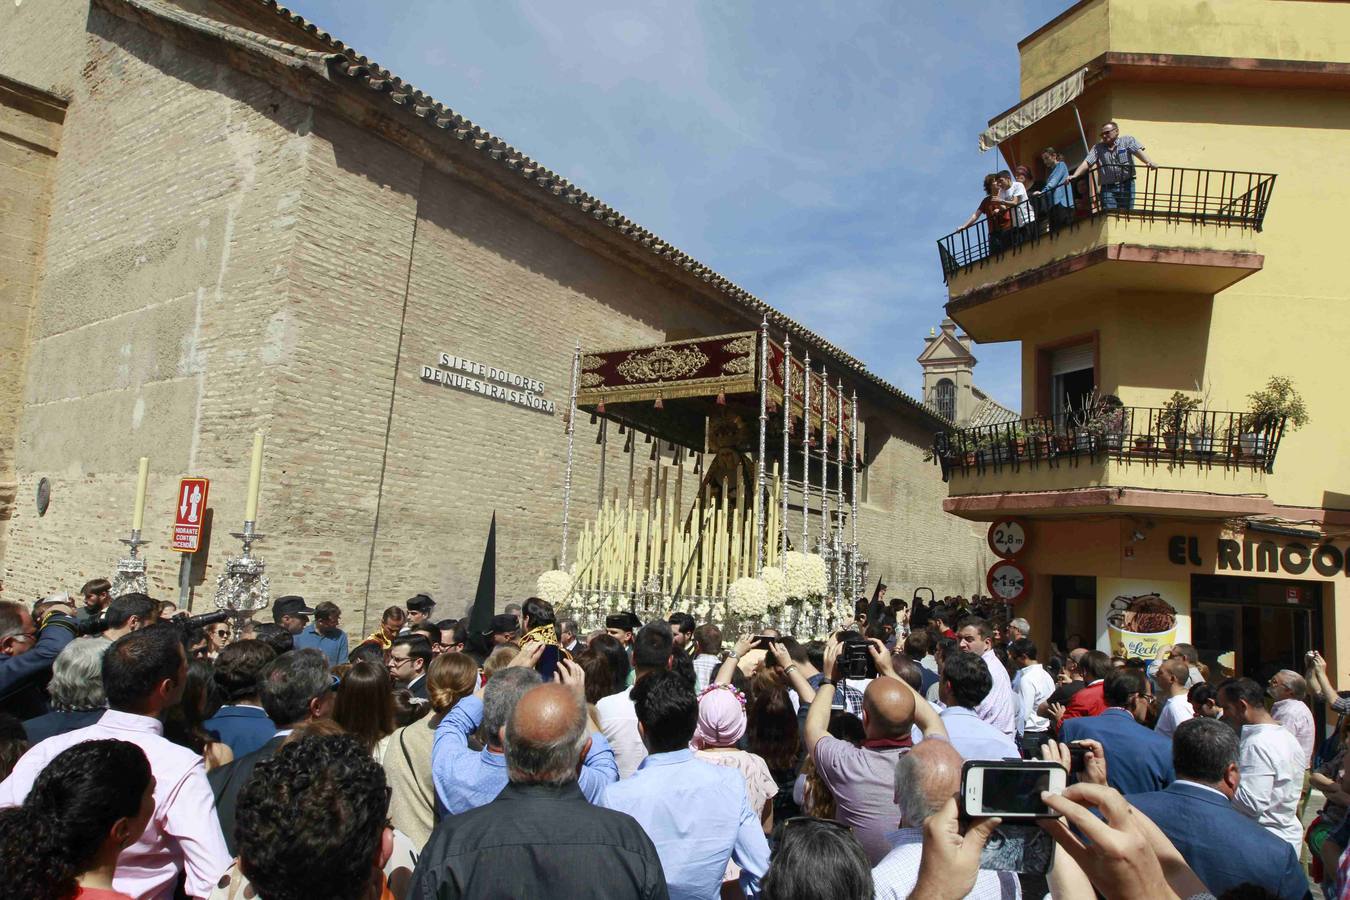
x=489, y=381
x=1293, y=558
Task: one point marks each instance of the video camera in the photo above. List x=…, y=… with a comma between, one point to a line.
x=182, y=620
x=855, y=661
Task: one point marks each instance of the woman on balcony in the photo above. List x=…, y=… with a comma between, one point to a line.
x=996, y=212
x=1057, y=189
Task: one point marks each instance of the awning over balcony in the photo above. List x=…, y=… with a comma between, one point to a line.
x=1035, y=109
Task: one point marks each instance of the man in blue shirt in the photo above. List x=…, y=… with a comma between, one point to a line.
x=1225, y=848
x=324, y=635
x=696, y=813
x=465, y=779
x=1138, y=759
x=965, y=682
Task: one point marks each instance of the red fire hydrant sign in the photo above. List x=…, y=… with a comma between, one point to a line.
x=188, y=514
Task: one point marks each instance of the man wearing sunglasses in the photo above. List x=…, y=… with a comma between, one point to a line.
x=1113, y=158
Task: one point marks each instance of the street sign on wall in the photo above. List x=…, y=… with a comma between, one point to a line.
x=1008, y=581
x=1007, y=538
x=188, y=514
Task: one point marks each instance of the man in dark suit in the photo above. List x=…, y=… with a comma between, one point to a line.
x=1137, y=759
x=295, y=688
x=409, y=659
x=540, y=837
x=1225, y=848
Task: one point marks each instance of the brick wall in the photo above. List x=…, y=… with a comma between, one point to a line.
x=227, y=258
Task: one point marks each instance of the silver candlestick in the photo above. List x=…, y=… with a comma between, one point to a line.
x=130, y=575
x=243, y=587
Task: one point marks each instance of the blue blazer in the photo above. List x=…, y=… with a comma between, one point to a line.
x=1224, y=847
x=243, y=728
x=1138, y=759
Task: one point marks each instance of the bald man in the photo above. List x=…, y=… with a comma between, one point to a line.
x=576, y=849
x=925, y=779
x=1176, y=708
x=862, y=778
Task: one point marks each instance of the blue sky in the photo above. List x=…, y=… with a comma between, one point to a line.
x=812, y=153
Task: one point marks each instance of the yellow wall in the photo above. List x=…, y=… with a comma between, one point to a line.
x=1287, y=319
x=1259, y=29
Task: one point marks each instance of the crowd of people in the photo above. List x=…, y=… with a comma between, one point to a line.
x=1019, y=204
x=149, y=754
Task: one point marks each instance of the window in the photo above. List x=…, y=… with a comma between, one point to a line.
x=944, y=398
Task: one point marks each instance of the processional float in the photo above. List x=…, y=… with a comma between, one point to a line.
x=745, y=511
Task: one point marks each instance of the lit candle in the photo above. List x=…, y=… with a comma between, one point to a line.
x=254, y=479
x=142, y=477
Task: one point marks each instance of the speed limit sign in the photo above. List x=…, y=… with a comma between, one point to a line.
x=1007, y=581
x=1007, y=538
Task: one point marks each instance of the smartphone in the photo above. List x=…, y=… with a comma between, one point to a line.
x=1010, y=788
x=762, y=641
x=1077, y=757
x=548, y=662
x=1023, y=848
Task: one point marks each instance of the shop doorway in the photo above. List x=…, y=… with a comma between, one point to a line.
x=1266, y=625
x=1073, y=611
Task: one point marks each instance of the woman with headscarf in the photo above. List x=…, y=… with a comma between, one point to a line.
x=721, y=725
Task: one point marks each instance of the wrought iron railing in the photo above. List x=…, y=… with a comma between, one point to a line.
x=1147, y=435
x=1211, y=196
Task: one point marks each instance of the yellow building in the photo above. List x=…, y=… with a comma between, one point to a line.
x=1208, y=275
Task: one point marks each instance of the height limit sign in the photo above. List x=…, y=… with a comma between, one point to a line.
x=188, y=515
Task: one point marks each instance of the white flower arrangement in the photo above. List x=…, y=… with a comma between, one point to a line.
x=805, y=576
x=747, y=598
x=775, y=584
x=555, y=586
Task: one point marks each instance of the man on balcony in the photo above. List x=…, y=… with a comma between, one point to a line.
x=1111, y=157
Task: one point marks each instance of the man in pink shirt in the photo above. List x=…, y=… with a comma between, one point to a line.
x=997, y=708
x=144, y=674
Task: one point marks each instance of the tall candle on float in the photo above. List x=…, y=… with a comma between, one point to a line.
x=254, y=478
x=142, y=479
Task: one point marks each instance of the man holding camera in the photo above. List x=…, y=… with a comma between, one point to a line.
x=862, y=779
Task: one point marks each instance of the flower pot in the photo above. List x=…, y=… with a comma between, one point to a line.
x=1202, y=444
x=1253, y=444
x=1171, y=440
x=1144, y=444
x=1082, y=441
x=1113, y=440
x=970, y=458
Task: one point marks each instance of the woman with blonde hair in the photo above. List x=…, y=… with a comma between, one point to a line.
x=407, y=762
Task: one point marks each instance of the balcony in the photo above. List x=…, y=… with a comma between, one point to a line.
x=1144, y=458
x=1199, y=223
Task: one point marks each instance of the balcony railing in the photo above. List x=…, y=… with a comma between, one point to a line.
x=1211, y=196
x=1147, y=435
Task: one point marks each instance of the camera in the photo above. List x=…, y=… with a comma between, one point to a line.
x=201, y=621
x=855, y=662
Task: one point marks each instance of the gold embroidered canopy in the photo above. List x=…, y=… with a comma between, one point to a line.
x=637, y=384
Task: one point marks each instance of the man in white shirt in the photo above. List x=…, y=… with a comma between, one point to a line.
x=653, y=648
x=1011, y=191
x=1176, y=708
x=1270, y=761
x=1032, y=686
x=1287, y=688
x=926, y=778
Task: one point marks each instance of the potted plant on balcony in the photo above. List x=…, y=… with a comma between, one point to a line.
x=1109, y=421
x=1039, y=444
x=1278, y=401
x=1203, y=430
x=1172, y=418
